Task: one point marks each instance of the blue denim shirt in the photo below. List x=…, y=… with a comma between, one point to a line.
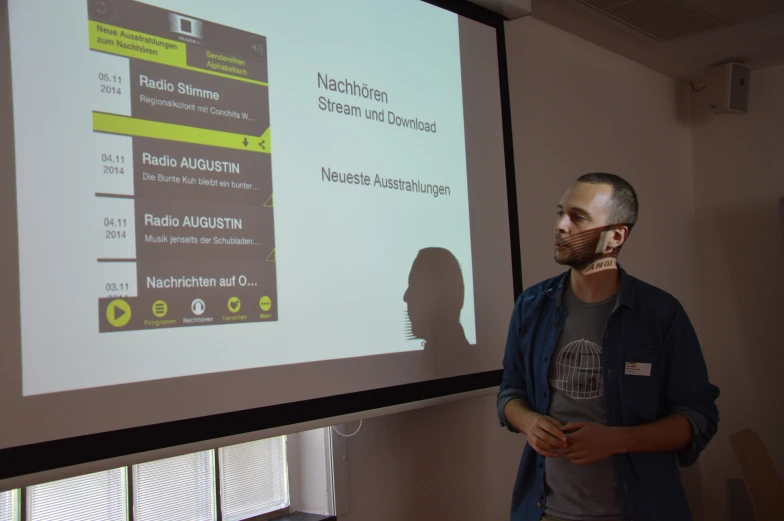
x=647, y=326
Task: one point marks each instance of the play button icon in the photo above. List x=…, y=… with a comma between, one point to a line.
x=118, y=313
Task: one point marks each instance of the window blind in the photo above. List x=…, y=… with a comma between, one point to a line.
x=176, y=489
x=253, y=478
x=8, y=510
x=94, y=497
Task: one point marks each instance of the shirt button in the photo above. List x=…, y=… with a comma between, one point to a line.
x=557, y=324
x=538, y=505
x=545, y=358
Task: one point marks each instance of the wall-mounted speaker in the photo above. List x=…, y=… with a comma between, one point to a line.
x=727, y=88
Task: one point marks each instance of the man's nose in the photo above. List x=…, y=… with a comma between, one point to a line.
x=562, y=225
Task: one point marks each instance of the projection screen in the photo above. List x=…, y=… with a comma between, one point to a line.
x=219, y=217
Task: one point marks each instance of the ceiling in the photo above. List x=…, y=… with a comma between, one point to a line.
x=679, y=38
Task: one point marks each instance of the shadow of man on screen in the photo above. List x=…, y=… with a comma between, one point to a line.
x=434, y=298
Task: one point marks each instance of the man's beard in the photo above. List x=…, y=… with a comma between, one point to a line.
x=583, y=249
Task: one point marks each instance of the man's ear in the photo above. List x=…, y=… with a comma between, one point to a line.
x=617, y=237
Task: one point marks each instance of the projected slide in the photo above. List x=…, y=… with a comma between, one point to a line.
x=184, y=179
x=238, y=185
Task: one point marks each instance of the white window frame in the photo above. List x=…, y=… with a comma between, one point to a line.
x=268, y=514
x=16, y=506
x=310, y=486
x=133, y=491
x=27, y=494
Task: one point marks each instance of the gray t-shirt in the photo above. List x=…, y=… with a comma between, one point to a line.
x=580, y=492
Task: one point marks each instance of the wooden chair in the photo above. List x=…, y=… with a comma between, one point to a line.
x=763, y=483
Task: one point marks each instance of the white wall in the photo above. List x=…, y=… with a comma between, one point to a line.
x=575, y=108
x=579, y=108
x=445, y=462
x=738, y=168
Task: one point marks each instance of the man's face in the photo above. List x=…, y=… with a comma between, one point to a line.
x=583, y=207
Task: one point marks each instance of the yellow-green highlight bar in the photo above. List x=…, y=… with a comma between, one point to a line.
x=126, y=42
x=127, y=126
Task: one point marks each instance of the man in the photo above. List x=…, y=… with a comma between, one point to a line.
x=604, y=375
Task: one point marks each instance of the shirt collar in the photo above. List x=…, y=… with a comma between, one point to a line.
x=625, y=295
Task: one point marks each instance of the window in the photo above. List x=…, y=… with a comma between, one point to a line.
x=94, y=496
x=253, y=479
x=176, y=489
x=9, y=505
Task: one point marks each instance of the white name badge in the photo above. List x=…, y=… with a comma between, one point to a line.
x=638, y=369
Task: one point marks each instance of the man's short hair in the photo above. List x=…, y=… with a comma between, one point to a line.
x=624, y=205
